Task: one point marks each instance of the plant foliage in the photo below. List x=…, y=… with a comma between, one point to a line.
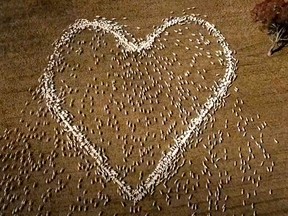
x=273, y=16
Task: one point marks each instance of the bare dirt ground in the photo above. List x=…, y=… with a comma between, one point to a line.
x=29, y=28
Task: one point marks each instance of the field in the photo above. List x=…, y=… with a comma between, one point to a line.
x=43, y=173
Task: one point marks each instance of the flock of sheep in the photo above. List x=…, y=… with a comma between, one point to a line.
x=147, y=102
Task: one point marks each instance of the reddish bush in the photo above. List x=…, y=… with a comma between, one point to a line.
x=273, y=15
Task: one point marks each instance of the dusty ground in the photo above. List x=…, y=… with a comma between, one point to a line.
x=28, y=29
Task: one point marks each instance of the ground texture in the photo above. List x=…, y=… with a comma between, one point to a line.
x=27, y=33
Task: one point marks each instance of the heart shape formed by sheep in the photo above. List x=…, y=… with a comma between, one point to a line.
x=165, y=168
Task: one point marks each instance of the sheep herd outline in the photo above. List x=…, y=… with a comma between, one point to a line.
x=168, y=165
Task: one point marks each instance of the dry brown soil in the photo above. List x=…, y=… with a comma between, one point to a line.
x=28, y=28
